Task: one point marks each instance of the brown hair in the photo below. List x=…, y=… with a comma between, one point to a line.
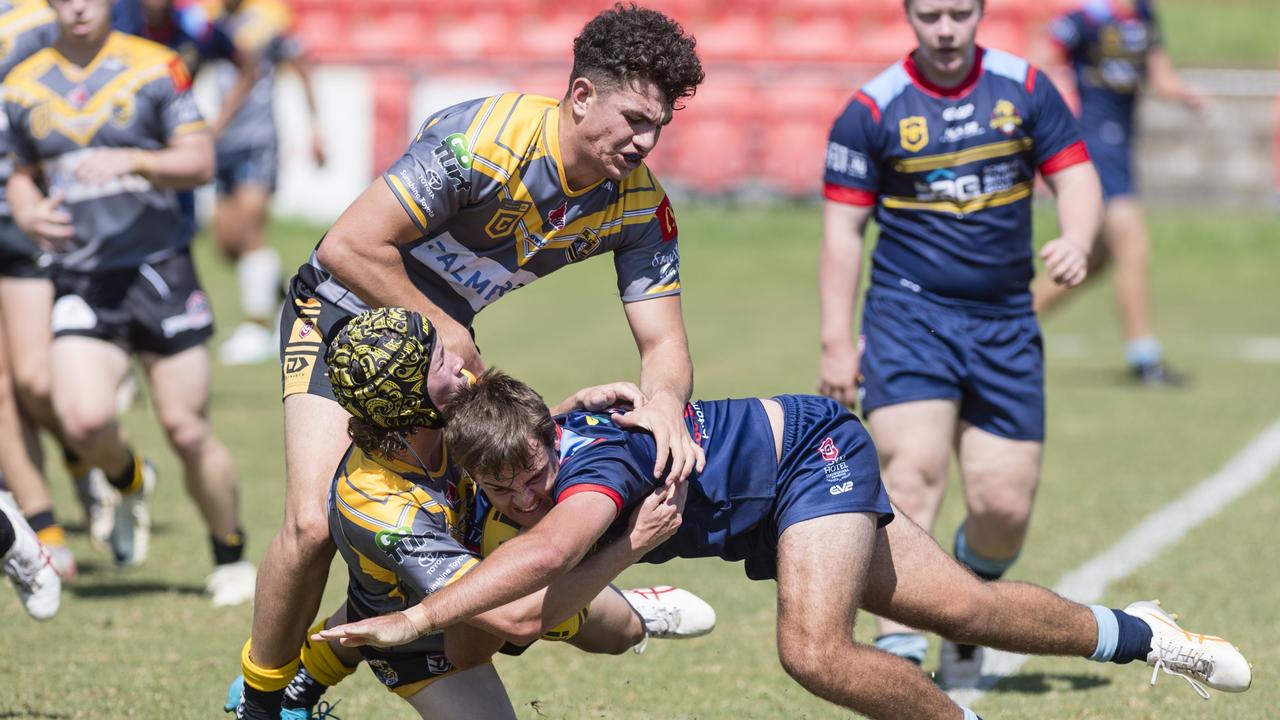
x=491, y=424
x=374, y=439
x=627, y=43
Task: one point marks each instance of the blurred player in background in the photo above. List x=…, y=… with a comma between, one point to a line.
x=103, y=130
x=491, y=195
x=248, y=162
x=943, y=148
x=1114, y=48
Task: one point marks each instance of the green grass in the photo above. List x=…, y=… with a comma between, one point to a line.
x=1221, y=33
x=145, y=644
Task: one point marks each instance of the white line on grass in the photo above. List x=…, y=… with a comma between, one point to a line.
x=1146, y=541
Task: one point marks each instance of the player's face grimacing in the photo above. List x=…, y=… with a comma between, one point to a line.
x=86, y=21
x=945, y=30
x=526, y=497
x=618, y=126
x=445, y=375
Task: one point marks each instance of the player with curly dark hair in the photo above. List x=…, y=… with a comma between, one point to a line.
x=491, y=195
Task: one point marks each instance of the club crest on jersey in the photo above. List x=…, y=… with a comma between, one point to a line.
x=828, y=450
x=1005, y=117
x=509, y=213
x=583, y=245
x=913, y=133
x=555, y=218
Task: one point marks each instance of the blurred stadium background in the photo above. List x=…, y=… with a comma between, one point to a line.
x=146, y=644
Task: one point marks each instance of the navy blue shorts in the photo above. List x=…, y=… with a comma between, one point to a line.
x=1114, y=163
x=255, y=166
x=829, y=466
x=915, y=349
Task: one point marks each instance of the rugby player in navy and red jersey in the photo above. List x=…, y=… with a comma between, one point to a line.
x=943, y=148
x=1114, y=48
x=792, y=489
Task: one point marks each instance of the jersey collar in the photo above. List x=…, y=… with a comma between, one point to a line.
x=920, y=81
x=552, y=139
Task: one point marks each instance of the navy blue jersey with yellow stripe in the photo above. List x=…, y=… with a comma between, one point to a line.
x=950, y=172
x=399, y=530
x=26, y=27
x=133, y=94
x=727, y=501
x=1107, y=46
x=484, y=182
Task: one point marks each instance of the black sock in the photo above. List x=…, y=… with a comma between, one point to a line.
x=75, y=464
x=7, y=534
x=41, y=521
x=304, y=691
x=124, y=482
x=228, y=549
x=1134, y=641
x=259, y=704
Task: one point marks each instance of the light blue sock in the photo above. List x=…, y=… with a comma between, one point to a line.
x=983, y=567
x=1108, y=633
x=906, y=645
x=1144, y=351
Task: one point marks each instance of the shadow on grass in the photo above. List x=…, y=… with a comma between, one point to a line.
x=1041, y=683
x=125, y=587
x=29, y=712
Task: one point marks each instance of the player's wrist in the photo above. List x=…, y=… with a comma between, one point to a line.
x=418, y=620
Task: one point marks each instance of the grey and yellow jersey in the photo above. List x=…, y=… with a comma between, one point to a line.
x=26, y=27
x=132, y=95
x=399, y=530
x=484, y=182
x=260, y=30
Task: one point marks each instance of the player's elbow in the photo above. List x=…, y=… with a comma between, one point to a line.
x=335, y=252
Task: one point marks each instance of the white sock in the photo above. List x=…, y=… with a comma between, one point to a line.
x=259, y=274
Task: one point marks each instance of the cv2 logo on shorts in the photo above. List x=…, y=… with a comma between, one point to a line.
x=828, y=450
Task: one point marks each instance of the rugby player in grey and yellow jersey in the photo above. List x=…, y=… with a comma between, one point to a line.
x=103, y=132
x=491, y=195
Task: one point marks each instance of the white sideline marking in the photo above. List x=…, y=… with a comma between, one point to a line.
x=1146, y=541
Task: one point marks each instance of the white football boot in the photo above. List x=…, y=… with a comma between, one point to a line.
x=28, y=566
x=959, y=666
x=1197, y=658
x=98, y=500
x=249, y=344
x=670, y=612
x=232, y=583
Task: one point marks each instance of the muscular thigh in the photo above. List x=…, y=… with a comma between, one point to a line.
x=315, y=438
x=997, y=471
x=466, y=695
x=822, y=566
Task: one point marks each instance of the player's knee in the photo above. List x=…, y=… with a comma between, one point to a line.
x=87, y=427
x=31, y=383
x=805, y=657
x=1004, y=505
x=967, y=613
x=188, y=435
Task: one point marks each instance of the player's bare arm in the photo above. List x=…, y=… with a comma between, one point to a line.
x=185, y=163
x=666, y=379
x=302, y=68
x=1164, y=80
x=523, y=565
x=839, y=271
x=1079, y=195
x=524, y=620
x=246, y=76
x=362, y=250
x=42, y=218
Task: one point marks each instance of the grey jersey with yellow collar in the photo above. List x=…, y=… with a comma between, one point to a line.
x=26, y=27
x=484, y=182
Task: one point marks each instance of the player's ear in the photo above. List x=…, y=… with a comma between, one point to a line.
x=582, y=93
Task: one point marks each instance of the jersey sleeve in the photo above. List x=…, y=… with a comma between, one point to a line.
x=433, y=179
x=647, y=263
x=177, y=108
x=1066, y=33
x=1055, y=135
x=601, y=464
x=851, y=174
x=15, y=137
x=423, y=555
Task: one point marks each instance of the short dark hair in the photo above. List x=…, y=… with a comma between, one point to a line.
x=906, y=5
x=628, y=43
x=491, y=423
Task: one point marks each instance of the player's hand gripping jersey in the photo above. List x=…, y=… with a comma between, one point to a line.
x=951, y=173
x=26, y=27
x=132, y=95
x=484, y=183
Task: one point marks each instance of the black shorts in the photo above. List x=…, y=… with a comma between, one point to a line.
x=306, y=324
x=19, y=256
x=156, y=308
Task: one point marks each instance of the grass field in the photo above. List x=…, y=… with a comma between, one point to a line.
x=145, y=644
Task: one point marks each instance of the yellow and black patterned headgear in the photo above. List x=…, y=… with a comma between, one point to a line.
x=378, y=366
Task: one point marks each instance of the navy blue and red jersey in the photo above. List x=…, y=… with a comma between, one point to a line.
x=1107, y=45
x=733, y=495
x=950, y=172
